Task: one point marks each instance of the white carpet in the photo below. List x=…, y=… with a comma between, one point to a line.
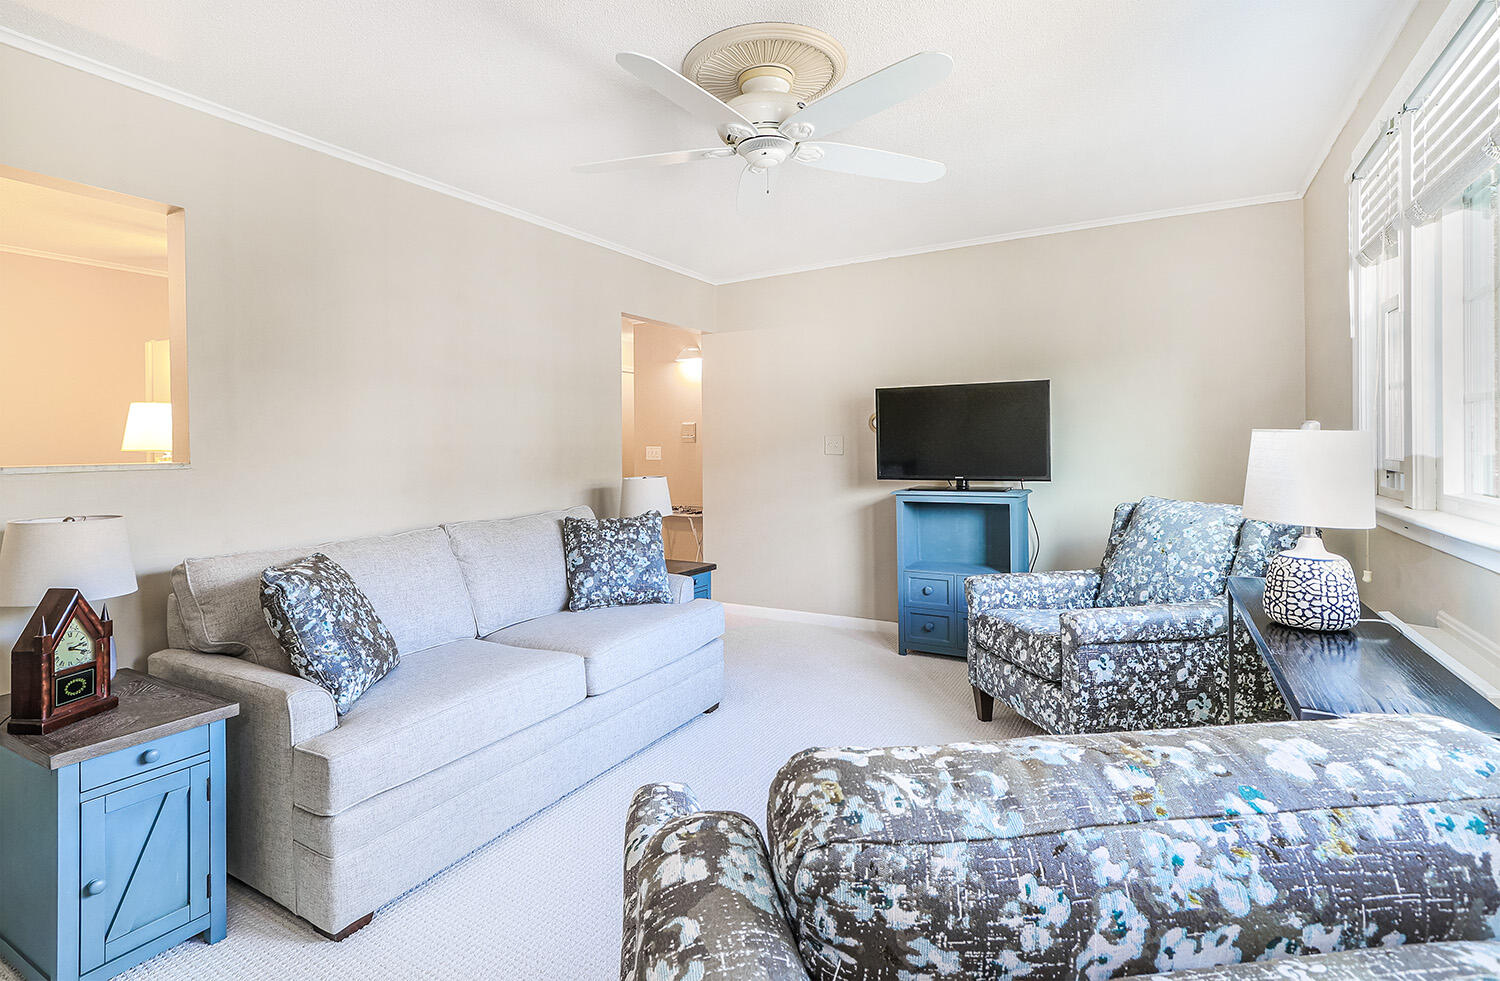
x=543, y=900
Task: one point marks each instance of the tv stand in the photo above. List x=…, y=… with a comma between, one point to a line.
x=942, y=537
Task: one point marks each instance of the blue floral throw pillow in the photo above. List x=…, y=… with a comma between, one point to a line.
x=1171, y=552
x=327, y=626
x=615, y=562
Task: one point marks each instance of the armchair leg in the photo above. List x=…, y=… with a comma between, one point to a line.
x=984, y=704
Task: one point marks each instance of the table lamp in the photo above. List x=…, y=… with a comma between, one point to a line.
x=1318, y=479
x=641, y=494
x=89, y=553
x=148, y=429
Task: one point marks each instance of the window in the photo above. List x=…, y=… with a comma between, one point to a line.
x=1426, y=283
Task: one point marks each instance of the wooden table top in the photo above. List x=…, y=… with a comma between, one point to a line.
x=149, y=708
x=1372, y=668
x=689, y=567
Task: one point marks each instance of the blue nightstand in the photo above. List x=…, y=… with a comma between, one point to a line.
x=702, y=574
x=112, y=833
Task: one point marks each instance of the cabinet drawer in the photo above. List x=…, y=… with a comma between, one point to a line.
x=932, y=628
x=144, y=758
x=929, y=590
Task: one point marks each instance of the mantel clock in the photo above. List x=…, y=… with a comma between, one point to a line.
x=59, y=669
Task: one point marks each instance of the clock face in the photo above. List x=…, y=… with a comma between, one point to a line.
x=74, y=648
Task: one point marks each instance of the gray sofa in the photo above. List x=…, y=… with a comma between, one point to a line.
x=1366, y=847
x=502, y=703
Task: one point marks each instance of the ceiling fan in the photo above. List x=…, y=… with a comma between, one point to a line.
x=766, y=89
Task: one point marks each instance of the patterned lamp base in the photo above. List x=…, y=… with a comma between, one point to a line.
x=1310, y=588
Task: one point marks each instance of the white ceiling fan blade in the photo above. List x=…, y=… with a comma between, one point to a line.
x=868, y=162
x=689, y=96
x=654, y=160
x=755, y=190
x=868, y=96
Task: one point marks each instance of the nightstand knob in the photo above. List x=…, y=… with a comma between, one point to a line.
x=150, y=756
x=926, y=590
x=928, y=625
x=94, y=888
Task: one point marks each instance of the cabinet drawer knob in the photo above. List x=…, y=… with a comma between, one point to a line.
x=94, y=888
x=151, y=756
x=926, y=590
x=928, y=625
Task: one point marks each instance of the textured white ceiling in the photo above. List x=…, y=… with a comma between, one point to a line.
x=1056, y=114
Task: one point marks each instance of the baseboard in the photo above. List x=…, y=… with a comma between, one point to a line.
x=1466, y=652
x=802, y=616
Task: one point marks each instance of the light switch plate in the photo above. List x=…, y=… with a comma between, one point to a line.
x=833, y=446
x=653, y=452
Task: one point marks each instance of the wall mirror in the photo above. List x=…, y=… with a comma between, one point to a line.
x=92, y=326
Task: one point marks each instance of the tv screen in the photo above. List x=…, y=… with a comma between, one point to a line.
x=993, y=431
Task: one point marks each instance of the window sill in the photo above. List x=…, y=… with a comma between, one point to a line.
x=94, y=467
x=1477, y=542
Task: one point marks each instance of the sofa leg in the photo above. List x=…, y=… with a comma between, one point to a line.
x=711, y=709
x=984, y=704
x=352, y=928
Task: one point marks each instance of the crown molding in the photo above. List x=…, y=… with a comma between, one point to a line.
x=71, y=59
x=83, y=63
x=1195, y=209
x=81, y=260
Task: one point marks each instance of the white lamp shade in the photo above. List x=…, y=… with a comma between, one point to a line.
x=1319, y=477
x=641, y=494
x=148, y=427
x=90, y=554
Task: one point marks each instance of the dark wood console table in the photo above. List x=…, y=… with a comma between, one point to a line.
x=1371, y=668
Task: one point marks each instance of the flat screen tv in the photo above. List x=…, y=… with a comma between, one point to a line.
x=991, y=431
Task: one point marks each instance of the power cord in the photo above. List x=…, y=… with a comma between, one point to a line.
x=1037, y=551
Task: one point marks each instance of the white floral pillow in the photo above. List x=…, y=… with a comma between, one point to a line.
x=615, y=562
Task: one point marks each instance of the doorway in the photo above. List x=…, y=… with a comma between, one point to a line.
x=661, y=402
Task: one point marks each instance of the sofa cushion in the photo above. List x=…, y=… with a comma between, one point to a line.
x=412, y=580
x=615, y=562
x=1170, y=552
x=621, y=643
x=1029, y=639
x=438, y=706
x=1259, y=540
x=327, y=627
x=513, y=567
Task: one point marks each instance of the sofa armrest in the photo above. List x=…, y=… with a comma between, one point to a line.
x=1071, y=590
x=682, y=587
x=277, y=711
x=699, y=898
x=301, y=709
x=1144, y=624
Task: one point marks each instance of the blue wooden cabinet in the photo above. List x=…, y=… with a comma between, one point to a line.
x=943, y=537
x=702, y=574
x=108, y=858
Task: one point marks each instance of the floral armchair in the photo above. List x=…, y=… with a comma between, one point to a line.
x=1138, y=643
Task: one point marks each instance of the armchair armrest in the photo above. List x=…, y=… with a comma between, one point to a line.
x=1072, y=590
x=699, y=898
x=1141, y=624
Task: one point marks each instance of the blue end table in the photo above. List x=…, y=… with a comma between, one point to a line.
x=702, y=574
x=112, y=833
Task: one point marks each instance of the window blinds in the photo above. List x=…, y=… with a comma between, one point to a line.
x=1379, y=201
x=1454, y=117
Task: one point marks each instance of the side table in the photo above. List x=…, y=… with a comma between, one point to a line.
x=702, y=574
x=112, y=833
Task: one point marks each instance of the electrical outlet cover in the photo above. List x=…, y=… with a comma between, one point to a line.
x=653, y=452
x=833, y=446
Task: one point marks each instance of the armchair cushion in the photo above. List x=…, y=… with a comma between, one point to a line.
x=1141, y=624
x=1072, y=590
x=1171, y=552
x=1029, y=639
x=1259, y=541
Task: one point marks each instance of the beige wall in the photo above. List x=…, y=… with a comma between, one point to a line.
x=74, y=339
x=667, y=394
x=364, y=355
x=1410, y=579
x=1166, y=342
